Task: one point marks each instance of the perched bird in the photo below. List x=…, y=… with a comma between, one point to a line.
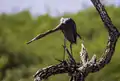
x=68, y=27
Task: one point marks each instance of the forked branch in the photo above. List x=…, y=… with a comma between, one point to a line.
x=79, y=71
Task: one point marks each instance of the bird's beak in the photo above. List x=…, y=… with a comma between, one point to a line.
x=46, y=33
x=31, y=40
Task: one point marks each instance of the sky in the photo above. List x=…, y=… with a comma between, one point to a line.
x=53, y=7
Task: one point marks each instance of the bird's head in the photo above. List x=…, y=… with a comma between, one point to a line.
x=64, y=20
x=67, y=22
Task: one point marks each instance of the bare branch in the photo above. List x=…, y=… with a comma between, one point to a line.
x=84, y=54
x=79, y=71
x=104, y=15
x=93, y=59
x=51, y=70
x=113, y=34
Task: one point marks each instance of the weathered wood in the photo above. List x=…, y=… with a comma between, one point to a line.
x=84, y=55
x=79, y=71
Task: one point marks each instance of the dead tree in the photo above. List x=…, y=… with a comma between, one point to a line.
x=79, y=71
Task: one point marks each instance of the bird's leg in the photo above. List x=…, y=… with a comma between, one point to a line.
x=64, y=48
x=71, y=48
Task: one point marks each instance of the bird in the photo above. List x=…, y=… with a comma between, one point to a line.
x=70, y=32
x=68, y=28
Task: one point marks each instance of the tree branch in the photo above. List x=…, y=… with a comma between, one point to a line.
x=51, y=70
x=79, y=71
x=113, y=34
x=84, y=55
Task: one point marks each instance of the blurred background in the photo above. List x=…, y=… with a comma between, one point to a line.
x=21, y=20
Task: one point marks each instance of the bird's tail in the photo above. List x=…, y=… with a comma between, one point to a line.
x=80, y=37
x=44, y=34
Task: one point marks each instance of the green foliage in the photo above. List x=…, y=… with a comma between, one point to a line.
x=18, y=61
